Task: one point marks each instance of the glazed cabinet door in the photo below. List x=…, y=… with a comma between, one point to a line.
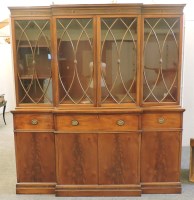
x=118, y=60
x=97, y=69
x=161, y=60
x=33, y=61
x=75, y=60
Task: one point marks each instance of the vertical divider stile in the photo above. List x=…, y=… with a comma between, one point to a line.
x=54, y=63
x=98, y=61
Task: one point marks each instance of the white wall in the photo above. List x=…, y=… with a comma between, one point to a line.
x=6, y=76
x=188, y=74
x=6, y=73
x=188, y=82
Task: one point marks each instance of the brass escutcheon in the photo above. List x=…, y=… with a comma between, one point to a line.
x=161, y=120
x=74, y=123
x=34, y=122
x=120, y=122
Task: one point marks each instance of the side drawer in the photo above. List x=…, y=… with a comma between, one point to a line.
x=33, y=121
x=96, y=122
x=161, y=120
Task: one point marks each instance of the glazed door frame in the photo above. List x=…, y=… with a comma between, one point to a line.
x=16, y=58
x=99, y=51
x=179, y=47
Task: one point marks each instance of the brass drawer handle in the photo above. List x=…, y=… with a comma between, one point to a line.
x=120, y=122
x=34, y=122
x=161, y=120
x=74, y=123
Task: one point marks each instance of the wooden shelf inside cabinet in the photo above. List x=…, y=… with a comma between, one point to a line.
x=62, y=59
x=29, y=44
x=31, y=77
x=156, y=69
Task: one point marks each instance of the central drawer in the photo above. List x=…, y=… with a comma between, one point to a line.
x=96, y=122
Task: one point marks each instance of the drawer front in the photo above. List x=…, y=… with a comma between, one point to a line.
x=96, y=122
x=76, y=122
x=33, y=121
x=162, y=120
x=118, y=122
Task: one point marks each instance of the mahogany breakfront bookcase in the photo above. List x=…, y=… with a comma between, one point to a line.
x=98, y=99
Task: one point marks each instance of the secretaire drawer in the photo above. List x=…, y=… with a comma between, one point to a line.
x=33, y=121
x=118, y=122
x=162, y=120
x=96, y=122
x=76, y=122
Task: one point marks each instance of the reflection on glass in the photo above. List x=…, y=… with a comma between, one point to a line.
x=75, y=52
x=161, y=44
x=118, y=58
x=34, y=61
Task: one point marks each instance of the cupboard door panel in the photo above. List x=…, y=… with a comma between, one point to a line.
x=160, y=156
x=35, y=157
x=76, y=159
x=118, y=158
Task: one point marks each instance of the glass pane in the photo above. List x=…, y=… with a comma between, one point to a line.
x=34, y=61
x=161, y=50
x=118, y=60
x=75, y=58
